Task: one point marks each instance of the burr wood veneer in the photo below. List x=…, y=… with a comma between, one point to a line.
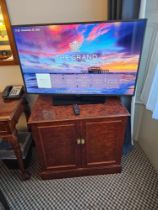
x=87, y=144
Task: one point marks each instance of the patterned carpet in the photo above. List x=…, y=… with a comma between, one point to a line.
x=136, y=188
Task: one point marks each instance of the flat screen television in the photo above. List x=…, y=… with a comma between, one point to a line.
x=88, y=58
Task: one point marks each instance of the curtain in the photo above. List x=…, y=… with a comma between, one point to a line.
x=152, y=102
x=149, y=93
x=135, y=122
x=151, y=67
x=115, y=9
x=126, y=9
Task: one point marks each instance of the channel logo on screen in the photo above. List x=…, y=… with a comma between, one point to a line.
x=75, y=46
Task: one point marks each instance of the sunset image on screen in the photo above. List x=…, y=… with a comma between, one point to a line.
x=92, y=48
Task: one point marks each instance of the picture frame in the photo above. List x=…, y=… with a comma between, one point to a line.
x=8, y=53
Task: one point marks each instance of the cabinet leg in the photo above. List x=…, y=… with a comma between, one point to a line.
x=15, y=145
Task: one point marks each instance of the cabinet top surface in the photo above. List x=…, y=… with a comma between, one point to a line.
x=8, y=109
x=44, y=111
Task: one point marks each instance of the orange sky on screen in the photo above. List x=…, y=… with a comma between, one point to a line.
x=120, y=67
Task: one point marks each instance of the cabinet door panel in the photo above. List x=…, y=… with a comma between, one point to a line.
x=59, y=148
x=103, y=142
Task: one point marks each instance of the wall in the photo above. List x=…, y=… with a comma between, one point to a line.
x=48, y=11
x=148, y=137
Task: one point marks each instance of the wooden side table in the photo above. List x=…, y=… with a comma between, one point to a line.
x=10, y=113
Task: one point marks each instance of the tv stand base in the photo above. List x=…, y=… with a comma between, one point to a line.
x=77, y=99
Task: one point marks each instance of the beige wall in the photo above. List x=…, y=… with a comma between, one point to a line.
x=10, y=75
x=43, y=11
x=49, y=11
x=148, y=136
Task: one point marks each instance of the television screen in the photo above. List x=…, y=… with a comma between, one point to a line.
x=99, y=58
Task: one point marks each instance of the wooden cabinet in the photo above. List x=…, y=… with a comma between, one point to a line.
x=58, y=144
x=102, y=142
x=70, y=145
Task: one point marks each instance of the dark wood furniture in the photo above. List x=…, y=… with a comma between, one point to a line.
x=10, y=113
x=87, y=144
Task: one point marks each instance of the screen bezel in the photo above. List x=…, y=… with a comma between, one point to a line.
x=87, y=22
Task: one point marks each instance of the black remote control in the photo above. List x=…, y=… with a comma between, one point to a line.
x=76, y=109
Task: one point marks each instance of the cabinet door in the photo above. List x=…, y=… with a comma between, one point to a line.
x=58, y=146
x=103, y=142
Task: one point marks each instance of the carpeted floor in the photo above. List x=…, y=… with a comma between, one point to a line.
x=136, y=188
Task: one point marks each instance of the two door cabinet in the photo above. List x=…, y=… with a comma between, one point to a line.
x=87, y=144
